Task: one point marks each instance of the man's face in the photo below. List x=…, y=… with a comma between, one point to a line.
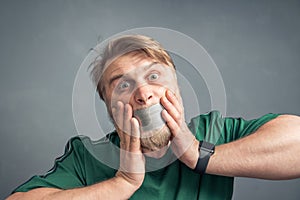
x=141, y=82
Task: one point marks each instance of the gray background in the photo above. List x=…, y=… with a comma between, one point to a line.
x=255, y=44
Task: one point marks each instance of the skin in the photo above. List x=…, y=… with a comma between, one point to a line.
x=121, y=105
x=268, y=153
x=145, y=96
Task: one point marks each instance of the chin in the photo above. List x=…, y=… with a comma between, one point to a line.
x=156, y=142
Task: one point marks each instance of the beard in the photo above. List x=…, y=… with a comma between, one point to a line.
x=151, y=141
x=155, y=140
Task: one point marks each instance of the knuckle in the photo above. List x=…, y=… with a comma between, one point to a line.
x=177, y=116
x=134, y=139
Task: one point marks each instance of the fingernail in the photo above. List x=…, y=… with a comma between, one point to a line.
x=168, y=93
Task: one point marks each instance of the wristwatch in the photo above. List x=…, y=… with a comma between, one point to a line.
x=206, y=149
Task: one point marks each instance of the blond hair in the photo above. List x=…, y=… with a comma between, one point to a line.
x=121, y=46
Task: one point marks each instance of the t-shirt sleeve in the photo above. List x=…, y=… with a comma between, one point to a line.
x=214, y=128
x=67, y=172
x=236, y=128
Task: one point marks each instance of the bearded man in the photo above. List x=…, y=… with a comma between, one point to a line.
x=136, y=78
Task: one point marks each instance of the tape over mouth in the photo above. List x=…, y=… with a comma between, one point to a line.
x=150, y=118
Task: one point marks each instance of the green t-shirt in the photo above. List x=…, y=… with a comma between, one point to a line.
x=79, y=167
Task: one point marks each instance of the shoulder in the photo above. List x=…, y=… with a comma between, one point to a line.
x=206, y=119
x=208, y=124
x=216, y=128
x=82, y=142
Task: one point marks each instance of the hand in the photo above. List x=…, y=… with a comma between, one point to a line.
x=132, y=161
x=184, y=143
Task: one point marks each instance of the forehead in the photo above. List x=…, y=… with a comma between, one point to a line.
x=127, y=63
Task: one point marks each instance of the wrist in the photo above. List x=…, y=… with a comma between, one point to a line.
x=190, y=157
x=127, y=181
x=206, y=150
x=196, y=154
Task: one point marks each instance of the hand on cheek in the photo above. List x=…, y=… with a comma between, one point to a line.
x=127, y=127
x=173, y=113
x=132, y=162
x=184, y=143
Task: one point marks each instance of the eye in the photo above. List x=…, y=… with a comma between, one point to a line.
x=153, y=77
x=123, y=85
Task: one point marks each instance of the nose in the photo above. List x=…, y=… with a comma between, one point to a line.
x=143, y=95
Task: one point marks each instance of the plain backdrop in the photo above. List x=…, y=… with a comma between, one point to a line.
x=255, y=45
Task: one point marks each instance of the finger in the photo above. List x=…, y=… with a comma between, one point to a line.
x=135, y=144
x=170, y=108
x=127, y=118
x=174, y=100
x=118, y=117
x=118, y=114
x=172, y=124
x=127, y=125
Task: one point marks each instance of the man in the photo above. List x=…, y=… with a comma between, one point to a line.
x=136, y=79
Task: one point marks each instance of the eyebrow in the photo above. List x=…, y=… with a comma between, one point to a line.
x=118, y=76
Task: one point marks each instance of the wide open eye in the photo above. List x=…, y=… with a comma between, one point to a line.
x=123, y=85
x=153, y=76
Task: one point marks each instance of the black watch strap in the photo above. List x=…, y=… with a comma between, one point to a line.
x=206, y=149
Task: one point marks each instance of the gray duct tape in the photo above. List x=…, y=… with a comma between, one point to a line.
x=150, y=117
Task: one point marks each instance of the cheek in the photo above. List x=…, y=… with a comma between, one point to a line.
x=125, y=98
x=115, y=96
x=159, y=90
